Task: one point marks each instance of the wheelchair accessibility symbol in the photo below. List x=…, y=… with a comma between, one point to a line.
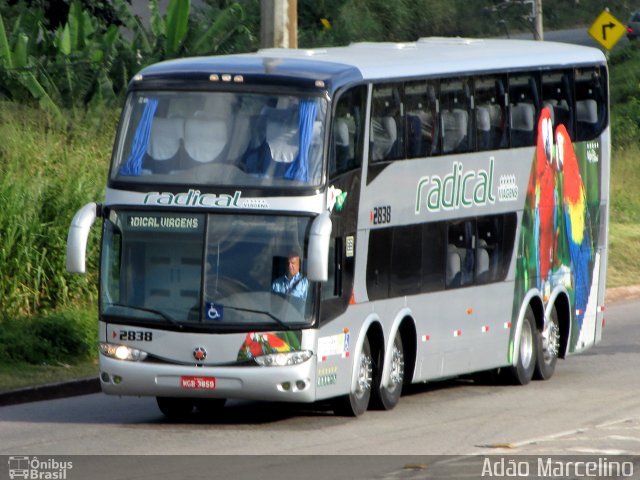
x=214, y=311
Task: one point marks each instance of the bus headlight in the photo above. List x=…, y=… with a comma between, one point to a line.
x=284, y=358
x=122, y=352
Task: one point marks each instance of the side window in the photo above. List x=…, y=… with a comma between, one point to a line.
x=336, y=290
x=332, y=288
x=494, y=246
x=386, y=136
x=524, y=104
x=430, y=257
x=557, y=97
x=406, y=260
x=347, y=131
x=433, y=252
x=491, y=112
x=421, y=118
x=479, y=250
x=456, y=117
x=379, y=263
x=591, y=102
x=460, y=253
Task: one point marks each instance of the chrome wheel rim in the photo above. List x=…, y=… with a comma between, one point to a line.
x=526, y=344
x=365, y=375
x=550, y=342
x=396, y=375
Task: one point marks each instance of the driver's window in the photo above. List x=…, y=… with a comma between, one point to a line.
x=332, y=287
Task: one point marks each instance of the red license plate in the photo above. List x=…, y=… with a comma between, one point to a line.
x=198, y=383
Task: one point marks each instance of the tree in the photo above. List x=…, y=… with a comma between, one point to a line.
x=90, y=55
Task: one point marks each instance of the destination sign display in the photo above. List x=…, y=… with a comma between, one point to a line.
x=165, y=222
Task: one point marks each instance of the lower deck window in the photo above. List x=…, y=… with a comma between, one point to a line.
x=420, y=258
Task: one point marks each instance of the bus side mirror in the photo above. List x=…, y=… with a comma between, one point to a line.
x=78, y=235
x=318, y=254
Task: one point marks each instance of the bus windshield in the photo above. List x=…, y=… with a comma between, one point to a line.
x=212, y=271
x=221, y=139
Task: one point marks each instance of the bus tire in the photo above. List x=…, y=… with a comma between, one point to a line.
x=522, y=372
x=547, y=348
x=385, y=398
x=175, y=407
x=357, y=402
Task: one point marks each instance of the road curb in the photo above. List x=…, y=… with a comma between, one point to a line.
x=92, y=385
x=51, y=391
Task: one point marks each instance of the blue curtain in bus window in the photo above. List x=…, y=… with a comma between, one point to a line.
x=299, y=168
x=133, y=165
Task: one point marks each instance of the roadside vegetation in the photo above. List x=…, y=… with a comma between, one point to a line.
x=624, y=228
x=61, y=87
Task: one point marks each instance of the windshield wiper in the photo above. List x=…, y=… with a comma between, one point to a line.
x=161, y=314
x=268, y=314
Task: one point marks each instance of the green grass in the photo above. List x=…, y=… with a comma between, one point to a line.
x=624, y=222
x=625, y=178
x=48, y=348
x=49, y=170
x=624, y=255
x=20, y=375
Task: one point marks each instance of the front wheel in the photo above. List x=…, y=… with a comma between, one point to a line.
x=547, y=348
x=522, y=372
x=387, y=397
x=356, y=403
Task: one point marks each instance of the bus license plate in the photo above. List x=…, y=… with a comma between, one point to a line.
x=198, y=383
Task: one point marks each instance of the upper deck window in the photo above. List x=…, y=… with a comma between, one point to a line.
x=220, y=138
x=557, y=97
x=524, y=107
x=491, y=112
x=386, y=134
x=455, y=115
x=591, y=102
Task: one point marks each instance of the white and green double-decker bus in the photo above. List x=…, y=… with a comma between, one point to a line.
x=305, y=225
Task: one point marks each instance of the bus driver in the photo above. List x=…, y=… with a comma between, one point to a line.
x=292, y=283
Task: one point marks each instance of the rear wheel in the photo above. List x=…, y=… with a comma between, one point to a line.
x=357, y=402
x=387, y=397
x=175, y=407
x=547, y=348
x=522, y=372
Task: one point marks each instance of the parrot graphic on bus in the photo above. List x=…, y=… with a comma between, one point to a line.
x=542, y=192
x=576, y=220
x=559, y=232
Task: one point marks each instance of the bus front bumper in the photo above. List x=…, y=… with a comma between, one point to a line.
x=293, y=383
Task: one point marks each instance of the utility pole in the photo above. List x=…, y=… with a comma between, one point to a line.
x=279, y=23
x=538, y=32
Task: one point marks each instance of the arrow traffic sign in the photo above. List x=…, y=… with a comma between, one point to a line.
x=607, y=30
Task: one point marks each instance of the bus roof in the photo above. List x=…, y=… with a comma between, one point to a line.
x=433, y=56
